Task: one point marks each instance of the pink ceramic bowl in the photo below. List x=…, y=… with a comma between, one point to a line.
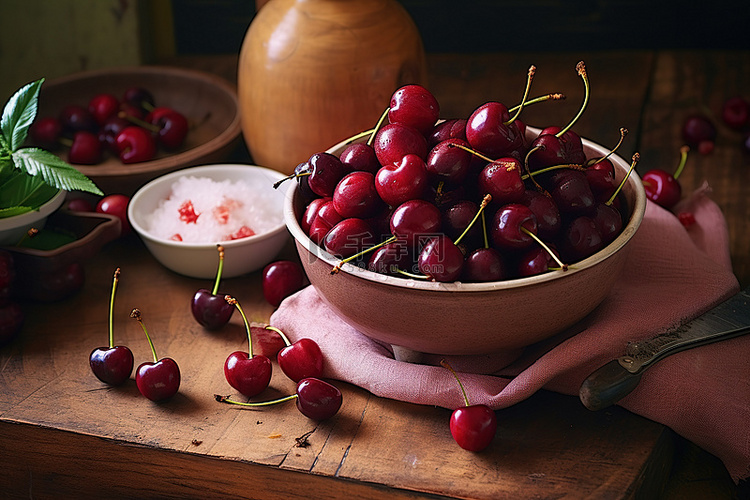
x=468, y=318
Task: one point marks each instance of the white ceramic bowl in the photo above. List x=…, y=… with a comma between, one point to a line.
x=468, y=318
x=12, y=229
x=199, y=260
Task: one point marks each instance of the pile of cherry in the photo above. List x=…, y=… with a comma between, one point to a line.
x=132, y=128
x=247, y=372
x=463, y=199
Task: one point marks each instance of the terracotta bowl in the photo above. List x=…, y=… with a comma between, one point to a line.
x=467, y=318
x=208, y=102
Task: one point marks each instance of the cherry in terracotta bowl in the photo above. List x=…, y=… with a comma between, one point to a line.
x=418, y=316
x=209, y=104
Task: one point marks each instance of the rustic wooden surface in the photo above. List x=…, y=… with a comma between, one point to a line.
x=62, y=433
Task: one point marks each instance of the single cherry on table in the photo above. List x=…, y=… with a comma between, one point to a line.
x=281, y=279
x=301, y=359
x=246, y=372
x=473, y=427
x=209, y=308
x=158, y=380
x=112, y=364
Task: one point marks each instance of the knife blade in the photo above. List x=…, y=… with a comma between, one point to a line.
x=616, y=379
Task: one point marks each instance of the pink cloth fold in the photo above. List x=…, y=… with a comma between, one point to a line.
x=674, y=274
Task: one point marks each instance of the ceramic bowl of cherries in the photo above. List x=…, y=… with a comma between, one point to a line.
x=466, y=235
x=122, y=127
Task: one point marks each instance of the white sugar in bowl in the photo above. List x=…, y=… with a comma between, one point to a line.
x=183, y=215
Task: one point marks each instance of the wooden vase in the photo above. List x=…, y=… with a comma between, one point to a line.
x=314, y=72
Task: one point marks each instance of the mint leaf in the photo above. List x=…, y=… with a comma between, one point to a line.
x=54, y=171
x=19, y=113
x=22, y=190
x=13, y=211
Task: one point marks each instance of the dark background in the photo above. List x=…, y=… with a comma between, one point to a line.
x=513, y=25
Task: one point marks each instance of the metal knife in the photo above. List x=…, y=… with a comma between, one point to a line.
x=615, y=380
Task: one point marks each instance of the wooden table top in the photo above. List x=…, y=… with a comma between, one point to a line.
x=62, y=433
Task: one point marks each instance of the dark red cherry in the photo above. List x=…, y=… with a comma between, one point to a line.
x=484, y=264
x=390, y=258
x=209, y=307
x=110, y=130
x=488, y=133
x=325, y=173
x=394, y=141
x=580, y=239
x=535, y=260
x=699, y=132
x=554, y=150
x=172, y=126
x=117, y=205
x=502, y=180
x=139, y=97
x=571, y=192
x=103, y=106
x=662, y=188
x=402, y=181
x=506, y=228
x=449, y=163
x=546, y=212
x=135, y=145
x=159, y=380
x=311, y=211
x=74, y=118
x=736, y=112
x=281, y=279
x=360, y=156
x=454, y=128
x=608, y=221
x=601, y=179
x=112, y=365
x=317, y=399
x=415, y=107
x=300, y=360
x=248, y=374
x=415, y=221
x=85, y=149
x=473, y=427
x=349, y=237
x=441, y=260
x=326, y=218
x=356, y=195
x=457, y=217
x=45, y=132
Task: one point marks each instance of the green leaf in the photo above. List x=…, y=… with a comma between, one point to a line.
x=13, y=211
x=54, y=171
x=19, y=113
x=22, y=190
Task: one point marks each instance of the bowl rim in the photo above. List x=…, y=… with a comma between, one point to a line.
x=223, y=139
x=32, y=216
x=636, y=217
x=187, y=245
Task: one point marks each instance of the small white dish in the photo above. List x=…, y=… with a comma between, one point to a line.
x=13, y=228
x=200, y=260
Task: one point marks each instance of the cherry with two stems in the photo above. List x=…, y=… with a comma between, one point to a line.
x=473, y=427
x=246, y=372
x=158, y=380
x=209, y=308
x=301, y=359
x=114, y=364
x=316, y=399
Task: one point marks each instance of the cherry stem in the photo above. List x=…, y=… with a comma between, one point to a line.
x=548, y=97
x=528, y=171
x=683, y=159
x=484, y=231
x=475, y=153
x=573, y=166
x=337, y=268
x=447, y=365
x=111, y=308
x=636, y=159
x=138, y=121
x=529, y=78
x=374, y=131
x=623, y=133
x=413, y=275
x=292, y=176
x=581, y=69
x=136, y=314
x=284, y=337
x=219, y=270
x=485, y=201
x=563, y=267
x=225, y=399
x=235, y=303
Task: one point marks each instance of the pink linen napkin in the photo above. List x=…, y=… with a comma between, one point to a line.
x=674, y=274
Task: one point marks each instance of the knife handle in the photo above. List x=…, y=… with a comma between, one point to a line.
x=607, y=385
